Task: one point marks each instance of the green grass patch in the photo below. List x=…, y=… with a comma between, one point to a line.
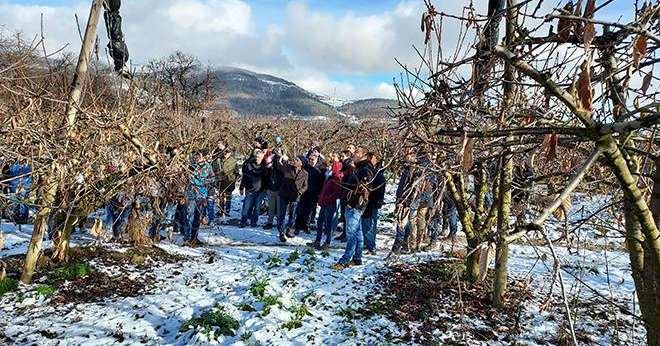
x=299, y=312
x=45, y=290
x=70, y=272
x=293, y=257
x=214, y=322
x=273, y=261
x=246, y=307
x=258, y=288
x=310, y=251
x=8, y=285
x=269, y=301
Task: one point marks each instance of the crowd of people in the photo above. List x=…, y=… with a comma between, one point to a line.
x=340, y=191
x=330, y=192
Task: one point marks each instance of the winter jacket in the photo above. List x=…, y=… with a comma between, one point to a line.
x=253, y=176
x=405, y=193
x=377, y=196
x=294, y=184
x=274, y=179
x=315, y=179
x=425, y=188
x=332, y=188
x=201, y=182
x=23, y=178
x=226, y=174
x=356, y=186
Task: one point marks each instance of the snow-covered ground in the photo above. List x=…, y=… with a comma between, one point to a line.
x=224, y=272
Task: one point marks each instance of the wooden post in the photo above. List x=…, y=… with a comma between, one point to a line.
x=47, y=192
x=83, y=65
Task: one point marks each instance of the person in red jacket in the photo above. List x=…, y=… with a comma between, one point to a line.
x=328, y=201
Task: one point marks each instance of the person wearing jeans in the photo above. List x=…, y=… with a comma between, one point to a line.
x=254, y=171
x=354, y=239
x=376, y=200
x=328, y=200
x=356, y=192
x=198, y=195
x=294, y=184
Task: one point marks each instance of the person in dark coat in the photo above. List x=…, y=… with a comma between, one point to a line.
x=356, y=192
x=310, y=198
x=330, y=194
x=405, y=198
x=225, y=169
x=273, y=184
x=294, y=185
x=376, y=201
x=252, y=187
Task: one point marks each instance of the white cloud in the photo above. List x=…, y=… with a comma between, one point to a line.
x=308, y=47
x=352, y=43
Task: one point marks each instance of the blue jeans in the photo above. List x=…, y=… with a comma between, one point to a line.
x=194, y=216
x=250, y=212
x=450, y=218
x=282, y=212
x=435, y=227
x=180, y=215
x=354, y=237
x=324, y=224
x=335, y=218
x=116, y=219
x=210, y=209
x=369, y=228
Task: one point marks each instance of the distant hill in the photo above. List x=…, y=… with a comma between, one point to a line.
x=369, y=108
x=253, y=94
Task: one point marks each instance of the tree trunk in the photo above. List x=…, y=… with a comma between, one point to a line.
x=49, y=189
x=48, y=195
x=638, y=207
x=473, y=239
x=506, y=175
x=502, y=249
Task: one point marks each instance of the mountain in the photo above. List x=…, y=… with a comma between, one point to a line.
x=369, y=108
x=253, y=94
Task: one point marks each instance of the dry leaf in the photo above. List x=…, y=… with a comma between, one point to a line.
x=468, y=155
x=578, y=28
x=646, y=83
x=564, y=26
x=639, y=49
x=584, y=90
x=552, y=147
x=589, y=28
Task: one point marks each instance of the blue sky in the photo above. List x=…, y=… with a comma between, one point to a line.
x=343, y=48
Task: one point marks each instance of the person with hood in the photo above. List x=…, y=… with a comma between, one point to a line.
x=356, y=190
x=328, y=201
x=376, y=201
x=294, y=185
x=315, y=178
x=252, y=187
x=198, y=195
x=225, y=168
